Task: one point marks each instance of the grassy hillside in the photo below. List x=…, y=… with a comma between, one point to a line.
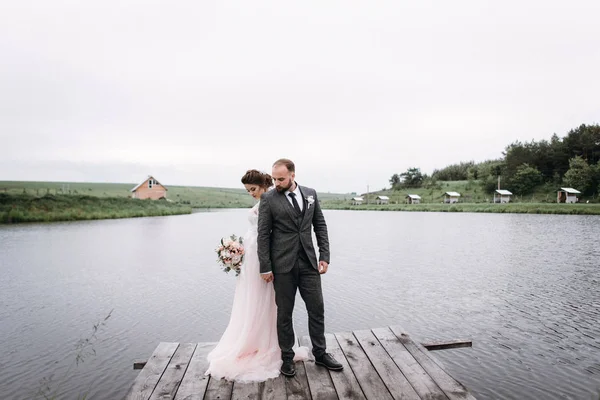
x=471, y=192
x=473, y=199
x=192, y=196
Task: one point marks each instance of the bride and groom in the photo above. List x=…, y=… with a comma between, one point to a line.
x=280, y=259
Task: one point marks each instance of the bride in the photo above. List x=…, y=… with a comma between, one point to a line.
x=249, y=350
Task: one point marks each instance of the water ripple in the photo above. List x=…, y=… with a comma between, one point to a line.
x=523, y=287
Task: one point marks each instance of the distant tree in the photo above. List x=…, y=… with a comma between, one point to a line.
x=472, y=173
x=430, y=182
x=580, y=175
x=558, y=157
x=584, y=141
x=412, y=178
x=454, y=172
x=597, y=178
x=516, y=154
x=551, y=158
x=395, y=181
x=488, y=172
x=548, y=157
x=525, y=179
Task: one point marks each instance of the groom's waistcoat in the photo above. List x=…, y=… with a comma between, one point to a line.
x=284, y=234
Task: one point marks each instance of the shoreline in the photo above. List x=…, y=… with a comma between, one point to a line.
x=510, y=208
x=18, y=209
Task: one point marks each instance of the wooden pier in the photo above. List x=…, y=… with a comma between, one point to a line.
x=382, y=363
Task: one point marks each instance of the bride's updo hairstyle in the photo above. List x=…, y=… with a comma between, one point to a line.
x=255, y=177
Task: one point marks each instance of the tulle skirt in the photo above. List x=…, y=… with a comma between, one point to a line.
x=249, y=351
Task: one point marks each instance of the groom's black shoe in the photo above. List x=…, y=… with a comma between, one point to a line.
x=327, y=361
x=288, y=368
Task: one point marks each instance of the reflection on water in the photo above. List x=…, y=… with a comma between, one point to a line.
x=523, y=287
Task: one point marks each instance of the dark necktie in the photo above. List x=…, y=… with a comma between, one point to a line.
x=295, y=203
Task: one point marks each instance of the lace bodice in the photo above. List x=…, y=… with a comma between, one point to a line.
x=253, y=216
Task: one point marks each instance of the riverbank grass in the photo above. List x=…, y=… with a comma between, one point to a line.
x=47, y=208
x=517, y=208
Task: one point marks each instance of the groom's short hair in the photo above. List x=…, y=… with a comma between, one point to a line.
x=289, y=164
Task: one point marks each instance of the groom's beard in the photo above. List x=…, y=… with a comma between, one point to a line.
x=282, y=189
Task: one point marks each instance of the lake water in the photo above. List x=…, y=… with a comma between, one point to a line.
x=524, y=288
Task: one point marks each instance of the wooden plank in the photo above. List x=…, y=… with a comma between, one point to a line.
x=344, y=381
x=218, y=389
x=447, y=344
x=420, y=380
x=361, y=355
x=296, y=388
x=370, y=382
x=398, y=329
x=319, y=382
x=273, y=389
x=250, y=391
x=194, y=382
x=139, y=364
x=387, y=369
x=146, y=381
x=169, y=382
x=450, y=386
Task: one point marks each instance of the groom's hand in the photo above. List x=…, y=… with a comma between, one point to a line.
x=323, y=265
x=267, y=277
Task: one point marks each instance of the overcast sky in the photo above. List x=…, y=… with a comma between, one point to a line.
x=197, y=92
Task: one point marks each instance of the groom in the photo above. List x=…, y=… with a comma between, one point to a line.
x=287, y=257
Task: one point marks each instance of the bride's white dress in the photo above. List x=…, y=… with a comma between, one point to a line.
x=248, y=350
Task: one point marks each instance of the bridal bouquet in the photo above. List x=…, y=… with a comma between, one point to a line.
x=231, y=253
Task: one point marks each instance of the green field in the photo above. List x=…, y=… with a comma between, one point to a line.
x=195, y=197
x=470, y=191
x=67, y=201
x=54, y=201
x=192, y=196
x=473, y=199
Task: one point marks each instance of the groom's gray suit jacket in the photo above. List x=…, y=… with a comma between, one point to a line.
x=281, y=231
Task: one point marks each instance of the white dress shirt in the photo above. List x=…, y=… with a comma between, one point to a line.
x=298, y=194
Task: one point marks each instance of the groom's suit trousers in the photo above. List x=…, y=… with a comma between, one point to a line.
x=307, y=280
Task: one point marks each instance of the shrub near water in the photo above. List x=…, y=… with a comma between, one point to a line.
x=27, y=208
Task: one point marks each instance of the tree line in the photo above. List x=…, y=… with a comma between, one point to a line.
x=573, y=161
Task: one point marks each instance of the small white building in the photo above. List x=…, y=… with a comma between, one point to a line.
x=357, y=201
x=451, y=197
x=382, y=200
x=413, y=199
x=502, y=196
x=567, y=195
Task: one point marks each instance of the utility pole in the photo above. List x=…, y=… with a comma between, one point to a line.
x=367, y=194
